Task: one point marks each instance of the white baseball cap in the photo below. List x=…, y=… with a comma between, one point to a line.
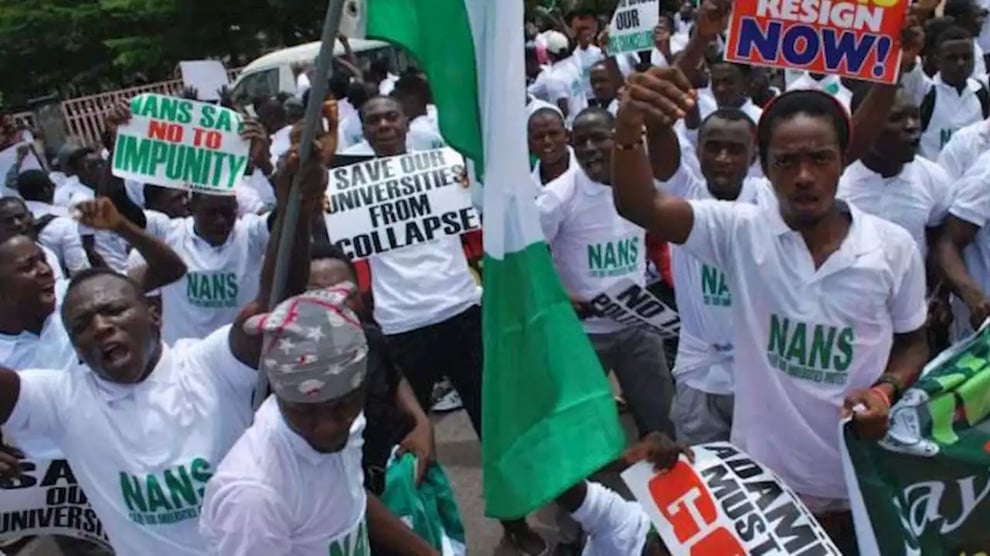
x=557, y=42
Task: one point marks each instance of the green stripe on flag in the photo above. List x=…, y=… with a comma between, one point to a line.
x=437, y=33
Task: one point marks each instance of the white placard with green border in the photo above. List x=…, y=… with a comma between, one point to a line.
x=632, y=26
x=181, y=144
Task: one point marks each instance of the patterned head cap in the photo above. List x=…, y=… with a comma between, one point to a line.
x=315, y=349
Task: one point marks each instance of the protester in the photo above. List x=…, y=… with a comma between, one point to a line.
x=548, y=142
x=971, y=16
x=565, y=88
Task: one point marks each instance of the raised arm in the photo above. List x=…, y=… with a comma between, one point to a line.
x=658, y=97
x=111, y=186
x=163, y=265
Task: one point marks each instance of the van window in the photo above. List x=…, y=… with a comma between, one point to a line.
x=263, y=84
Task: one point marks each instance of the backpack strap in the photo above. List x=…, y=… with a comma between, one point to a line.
x=984, y=95
x=927, y=109
x=40, y=223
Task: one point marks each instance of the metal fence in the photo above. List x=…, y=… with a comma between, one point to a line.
x=84, y=116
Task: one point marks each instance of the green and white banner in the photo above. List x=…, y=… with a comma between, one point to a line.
x=632, y=26
x=925, y=488
x=181, y=144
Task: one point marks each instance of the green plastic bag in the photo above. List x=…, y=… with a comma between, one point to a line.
x=430, y=509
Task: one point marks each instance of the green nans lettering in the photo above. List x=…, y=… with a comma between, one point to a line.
x=613, y=258
x=354, y=544
x=809, y=351
x=172, y=495
x=713, y=287
x=212, y=290
x=160, y=107
x=944, y=135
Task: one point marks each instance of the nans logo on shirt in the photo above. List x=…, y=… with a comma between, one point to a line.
x=613, y=258
x=212, y=290
x=168, y=497
x=713, y=288
x=814, y=352
x=354, y=544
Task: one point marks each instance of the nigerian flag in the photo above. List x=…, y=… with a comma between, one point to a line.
x=548, y=415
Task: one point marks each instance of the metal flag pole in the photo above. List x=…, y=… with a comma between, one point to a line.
x=313, y=118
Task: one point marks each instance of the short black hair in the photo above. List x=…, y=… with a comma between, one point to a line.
x=88, y=274
x=322, y=251
x=31, y=183
x=72, y=162
x=591, y=112
x=744, y=69
x=808, y=102
x=379, y=66
x=387, y=98
x=958, y=9
x=412, y=85
x=730, y=115
x=337, y=85
x=953, y=33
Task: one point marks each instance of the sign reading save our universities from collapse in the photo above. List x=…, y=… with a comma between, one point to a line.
x=386, y=204
x=181, y=144
x=851, y=38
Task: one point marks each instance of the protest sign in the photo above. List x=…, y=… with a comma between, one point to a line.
x=8, y=157
x=47, y=500
x=632, y=26
x=725, y=504
x=206, y=76
x=925, y=488
x=181, y=144
x=851, y=39
x=629, y=303
x=386, y=204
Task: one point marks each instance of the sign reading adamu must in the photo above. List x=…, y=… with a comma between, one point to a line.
x=386, y=204
x=181, y=144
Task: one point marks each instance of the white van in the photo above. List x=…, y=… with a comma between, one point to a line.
x=272, y=73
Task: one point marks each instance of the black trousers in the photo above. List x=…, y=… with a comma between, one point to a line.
x=452, y=349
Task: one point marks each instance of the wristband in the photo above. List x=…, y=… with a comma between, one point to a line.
x=629, y=146
x=883, y=395
x=895, y=384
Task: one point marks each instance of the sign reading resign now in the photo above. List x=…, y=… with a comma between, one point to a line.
x=860, y=39
x=181, y=144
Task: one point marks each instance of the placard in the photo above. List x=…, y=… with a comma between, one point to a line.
x=860, y=40
x=206, y=76
x=181, y=144
x=626, y=302
x=632, y=26
x=726, y=504
x=47, y=500
x=387, y=204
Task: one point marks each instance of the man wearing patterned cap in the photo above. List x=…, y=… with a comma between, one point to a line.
x=293, y=483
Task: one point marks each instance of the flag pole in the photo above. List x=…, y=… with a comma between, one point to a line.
x=313, y=118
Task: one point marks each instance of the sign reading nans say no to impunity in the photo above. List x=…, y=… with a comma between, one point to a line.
x=181, y=144
x=385, y=204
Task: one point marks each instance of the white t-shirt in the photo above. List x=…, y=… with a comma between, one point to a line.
x=109, y=245
x=387, y=85
x=220, y=280
x=143, y=453
x=951, y=111
x=830, y=329
x=72, y=191
x=916, y=199
x=593, y=247
x=565, y=83
x=583, y=59
x=972, y=204
x=572, y=164
x=831, y=84
x=423, y=134
x=349, y=133
x=538, y=88
x=704, y=301
x=274, y=495
x=966, y=146
x=52, y=349
x=61, y=235
x=614, y=526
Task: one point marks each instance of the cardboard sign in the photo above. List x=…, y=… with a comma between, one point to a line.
x=181, y=144
x=206, y=76
x=8, y=157
x=851, y=39
x=632, y=26
x=46, y=500
x=726, y=504
x=629, y=303
x=386, y=204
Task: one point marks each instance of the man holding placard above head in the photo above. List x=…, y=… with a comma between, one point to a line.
x=424, y=294
x=222, y=250
x=829, y=302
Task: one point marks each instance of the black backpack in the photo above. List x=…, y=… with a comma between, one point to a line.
x=41, y=223
x=928, y=105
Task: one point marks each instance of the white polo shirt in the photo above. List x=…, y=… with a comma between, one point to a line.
x=704, y=301
x=273, y=495
x=806, y=337
x=583, y=59
x=951, y=112
x=916, y=199
x=61, y=235
x=565, y=82
x=572, y=164
x=593, y=247
x=966, y=146
x=220, y=280
x=144, y=453
x=972, y=204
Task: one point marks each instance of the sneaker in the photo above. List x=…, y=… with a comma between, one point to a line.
x=446, y=399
